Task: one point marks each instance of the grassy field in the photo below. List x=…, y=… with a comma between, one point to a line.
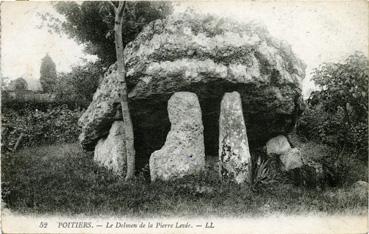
x=62, y=179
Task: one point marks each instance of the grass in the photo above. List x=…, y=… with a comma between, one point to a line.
x=62, y=179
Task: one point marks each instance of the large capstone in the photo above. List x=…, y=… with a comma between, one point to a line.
x=234, y=154
x=110, y=151
x=183, y=152
x=208, y=56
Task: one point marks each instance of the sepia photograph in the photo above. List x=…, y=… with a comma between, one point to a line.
x=184, y=116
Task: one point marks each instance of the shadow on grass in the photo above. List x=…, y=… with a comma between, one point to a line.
x=62, y=179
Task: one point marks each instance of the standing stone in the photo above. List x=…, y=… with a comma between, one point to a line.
x=278, y=145
x=183, y=152
x=234, y=155
x=110, y=152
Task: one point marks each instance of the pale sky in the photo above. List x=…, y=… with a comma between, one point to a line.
x=318, y=32
x=23, y=44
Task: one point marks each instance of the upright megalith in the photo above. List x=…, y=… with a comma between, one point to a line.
x=110, y=151
x=183, y=152
x=234, y=154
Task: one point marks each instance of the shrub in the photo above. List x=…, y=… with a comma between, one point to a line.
x=340, y=167
x=52, y=125
x=337, y=115
x=80, y=84
x=325, y=128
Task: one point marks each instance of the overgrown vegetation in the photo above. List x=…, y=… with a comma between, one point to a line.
x=80, y=84
x=340, y=168
x=337, y=115
x=39, y=124
x=63, y=179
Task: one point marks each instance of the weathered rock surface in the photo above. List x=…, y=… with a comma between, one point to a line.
x=110, y=152
x=183, y=152
x=234, y=154
x=278, y=145
x=209, y=56
x=291, y=159
x=101, y=113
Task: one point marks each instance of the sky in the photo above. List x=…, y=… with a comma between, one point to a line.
x=318, y=31
x=24, y=44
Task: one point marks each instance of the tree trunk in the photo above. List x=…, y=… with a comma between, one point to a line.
x=128, y=127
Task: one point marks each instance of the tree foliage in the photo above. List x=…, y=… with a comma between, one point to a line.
x=48, y=74
x=80, y=84
x=92, y=23
x=18, y=84
x=337, y=114
x=344, y=85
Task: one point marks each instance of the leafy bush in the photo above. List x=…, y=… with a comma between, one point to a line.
x=80, y=84
x=54, y=124
x=343, y=169
x=317, y=125
x=337, y=115
x=340, y=167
